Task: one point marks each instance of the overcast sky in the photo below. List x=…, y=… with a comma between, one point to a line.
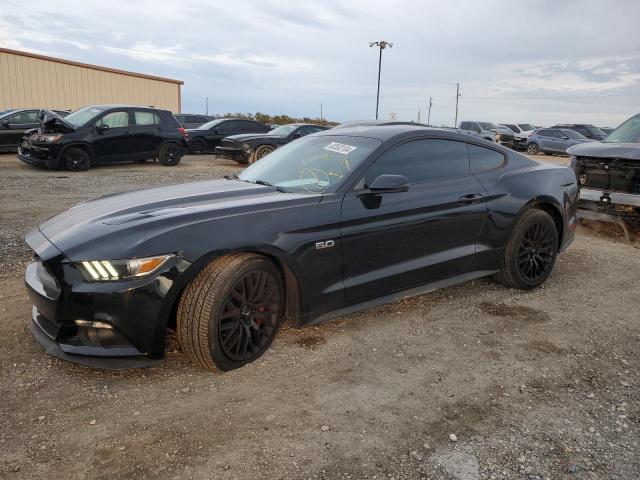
x=517, y=61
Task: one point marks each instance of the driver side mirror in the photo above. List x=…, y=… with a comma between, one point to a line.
x=389, y=183
x=102, y=128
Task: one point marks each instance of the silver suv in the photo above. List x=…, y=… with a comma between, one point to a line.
x=489, y=131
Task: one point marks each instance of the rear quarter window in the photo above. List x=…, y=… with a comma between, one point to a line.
x=482, y=159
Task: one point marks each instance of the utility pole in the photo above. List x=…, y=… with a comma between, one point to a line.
x=418, y=114
x=382, y=44
x=207, y=105
x=455, y=125
x=429, y=114
x=321, y=121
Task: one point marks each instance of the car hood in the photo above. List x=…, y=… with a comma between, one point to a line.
x=124, y=225
x=51, y=122
x=630, y=151
x=245, y=137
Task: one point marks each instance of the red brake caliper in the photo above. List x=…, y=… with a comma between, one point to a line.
x=261, y=309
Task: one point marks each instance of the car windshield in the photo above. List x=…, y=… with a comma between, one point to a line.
x=488, y=125
x=628, y=132
x=212, y=123
x=311, y=164
x=573, y=134
x=283, y=131
x=83, y=116
x=595, y=131
x=526, y=127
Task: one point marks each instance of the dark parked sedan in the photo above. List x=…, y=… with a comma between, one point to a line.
x=14, y=124
x=207, y=137
x=250, y=147
x=335, y=222
x=104, y=134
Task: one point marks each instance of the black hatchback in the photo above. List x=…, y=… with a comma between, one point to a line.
x=104, y=134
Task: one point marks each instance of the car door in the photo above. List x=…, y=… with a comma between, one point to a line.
x=13, y=126
x=396, y=240
x=545, y=141
x=111, y=137
x=146, y=134
x=556, y=141
x=222, y=130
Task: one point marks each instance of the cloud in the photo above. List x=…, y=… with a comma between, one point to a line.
x=287, y=56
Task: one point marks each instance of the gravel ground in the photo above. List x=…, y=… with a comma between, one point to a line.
x=470, y=382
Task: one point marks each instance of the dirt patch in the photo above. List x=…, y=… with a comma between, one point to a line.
x=517, y=312
x=310, y=342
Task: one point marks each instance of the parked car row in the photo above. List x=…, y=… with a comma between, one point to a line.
x=14, y=123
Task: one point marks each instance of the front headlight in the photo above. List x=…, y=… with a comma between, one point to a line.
x=113, y=270
x=50, y=137
x=246, y=147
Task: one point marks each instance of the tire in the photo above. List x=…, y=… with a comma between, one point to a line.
x=197, y=146
x=170, y=154
x=531, y=251
x=242, y=294
x=532, y=149
x=75, y=159
x=261, y=151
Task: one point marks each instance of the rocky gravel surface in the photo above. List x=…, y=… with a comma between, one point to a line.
x=470, y=382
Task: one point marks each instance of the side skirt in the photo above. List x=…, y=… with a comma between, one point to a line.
x=400, y=295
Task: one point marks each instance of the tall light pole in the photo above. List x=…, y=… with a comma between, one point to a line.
x=321, y=121
x=455, y=125
x=429, y=114
x=382, y=44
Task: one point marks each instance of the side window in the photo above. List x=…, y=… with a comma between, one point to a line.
x=228, y=127
x=30, y=116
x=465, y=126
x=422, y=161
x=145, y=118
x=195, y=119
x=114, y=120
x=310, y=130
x=544, y=133
x=555, y=134
x=583, y=131
x=482, y=159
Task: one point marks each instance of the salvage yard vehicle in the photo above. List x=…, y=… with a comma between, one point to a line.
x=609, y=176
x=14, y=123
x=521, y=132
x=588, y=130
x=489, y=131
x=104, y=134
x=332, y=223
x=553, y=140
x=207, y=137
x=372, y=123
x=249, y=147
x=189, y=120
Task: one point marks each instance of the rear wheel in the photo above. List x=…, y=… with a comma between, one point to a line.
x=262, y=151
x=531, y=252
x=76, y=159
x=532, y=149
x=229, y=314
x=170, y=154
x=198, y=145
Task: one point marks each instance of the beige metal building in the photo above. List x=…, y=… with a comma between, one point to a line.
x=28, y=80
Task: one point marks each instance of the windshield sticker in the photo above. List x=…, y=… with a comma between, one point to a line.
x=340, y=148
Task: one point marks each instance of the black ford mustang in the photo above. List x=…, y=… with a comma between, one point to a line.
x=250, y=147
x=331, y=223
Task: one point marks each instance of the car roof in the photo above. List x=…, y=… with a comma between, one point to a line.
x=380, y=132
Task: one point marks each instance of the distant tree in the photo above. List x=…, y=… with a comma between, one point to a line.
x=275, y=119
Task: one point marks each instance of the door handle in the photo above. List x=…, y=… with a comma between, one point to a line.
x=470, y=199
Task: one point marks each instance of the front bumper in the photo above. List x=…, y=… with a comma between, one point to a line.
x=609, y=206
x=236, y=154
x=44, y=156
x=116, y=324
x=505, y=142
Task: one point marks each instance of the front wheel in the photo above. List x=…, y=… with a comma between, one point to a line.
x=76, y=159
x=532, y=149
x=230, y=313
x=531, y=252
x=261, y=152
x=170, y=154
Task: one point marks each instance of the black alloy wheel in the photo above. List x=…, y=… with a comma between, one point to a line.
x=250, y=316
x=75, y=159
x=197, y=146
x=231, y=311
x=537, y=252
x=530, y=253
x=170, y=154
